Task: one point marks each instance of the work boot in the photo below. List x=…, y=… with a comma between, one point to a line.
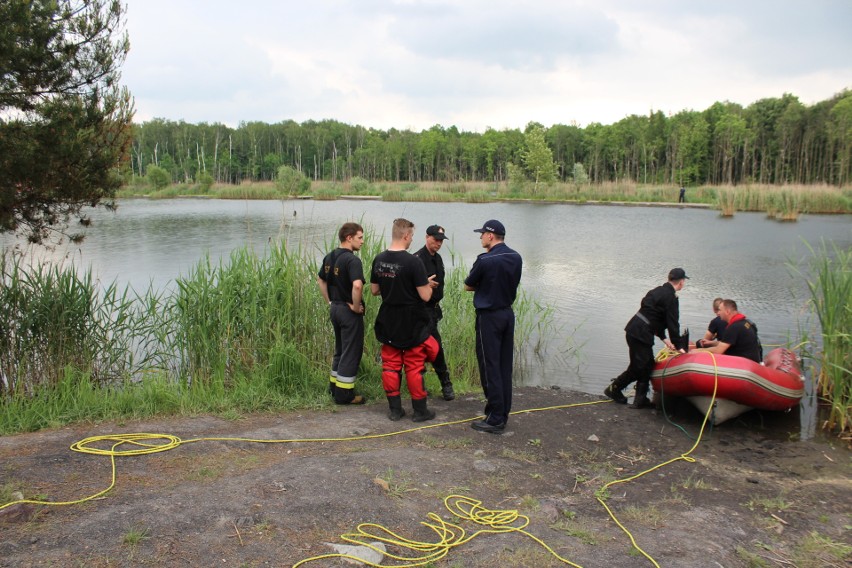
x=446, y=386
x=396, y=411
x=641, y=399
x=421, y=412
x=613, y=391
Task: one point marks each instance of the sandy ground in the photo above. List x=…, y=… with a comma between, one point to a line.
x=754, y=496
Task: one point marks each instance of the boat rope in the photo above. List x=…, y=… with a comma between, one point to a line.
x=450, y=535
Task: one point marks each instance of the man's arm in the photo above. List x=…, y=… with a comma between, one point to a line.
x=425, y=292
x=323, y=286
x=357, y=297
x=469, y=288
x=718, y=347
x=374, y=289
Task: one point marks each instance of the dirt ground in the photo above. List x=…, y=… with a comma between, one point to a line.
x=754, y=496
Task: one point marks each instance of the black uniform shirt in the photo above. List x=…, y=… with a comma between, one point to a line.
x=434, y=265
x=495, y=277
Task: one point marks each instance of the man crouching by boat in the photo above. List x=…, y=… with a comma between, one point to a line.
x=658, y=312
x=740, y=336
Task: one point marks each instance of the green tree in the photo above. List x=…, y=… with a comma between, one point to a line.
x=537, y=157
x=65, y=123
x=158, y=178
x=291, y=181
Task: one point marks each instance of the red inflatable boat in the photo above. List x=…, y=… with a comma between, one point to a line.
x=740, y=384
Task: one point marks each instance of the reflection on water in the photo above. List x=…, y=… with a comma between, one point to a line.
x=593, y=264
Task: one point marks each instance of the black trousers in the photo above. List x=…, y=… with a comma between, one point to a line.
x=641, y=363
x=495, y=343
x=440, y=363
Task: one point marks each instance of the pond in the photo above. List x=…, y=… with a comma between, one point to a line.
x=591, y=263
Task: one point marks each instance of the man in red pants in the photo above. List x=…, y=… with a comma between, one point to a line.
x=403, y=323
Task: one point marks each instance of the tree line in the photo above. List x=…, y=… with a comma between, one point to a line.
x=771, y=141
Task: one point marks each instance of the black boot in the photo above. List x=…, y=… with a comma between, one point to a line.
x=421, y=412
x=396, y=411
x=446, y=386
x=613, y=391
x=641, y=400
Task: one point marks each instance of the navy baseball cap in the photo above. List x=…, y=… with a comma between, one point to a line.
x=436, y=231
x=677, y=274
x=492, y=226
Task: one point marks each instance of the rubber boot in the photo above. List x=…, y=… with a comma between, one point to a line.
x=446, y=386
x=613, y=391
x=396, y=411
x=421, y=412
x=641, y=400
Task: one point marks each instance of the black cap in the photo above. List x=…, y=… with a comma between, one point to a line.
x=436, y=231
x=492, y=226
x=677, y=274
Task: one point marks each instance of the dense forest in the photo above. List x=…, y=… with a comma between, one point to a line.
x=772, y=141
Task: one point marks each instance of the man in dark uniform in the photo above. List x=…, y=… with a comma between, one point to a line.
x=658, y=312
x=435, y=265
x=402, y=325
x=740, y=336
x=341, y=281
x=494, y=280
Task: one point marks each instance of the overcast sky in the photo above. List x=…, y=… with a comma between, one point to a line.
x=477, y=63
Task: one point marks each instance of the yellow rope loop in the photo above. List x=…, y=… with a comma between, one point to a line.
x=665, y=354
x=140, y=443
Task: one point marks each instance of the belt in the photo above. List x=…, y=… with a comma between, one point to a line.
x=642, y=317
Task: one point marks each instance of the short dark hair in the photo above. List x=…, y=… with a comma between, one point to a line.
x=349, y=230
x=730, y=304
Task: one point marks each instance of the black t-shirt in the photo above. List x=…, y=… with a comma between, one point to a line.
x=741, y=336
x=340, y=268
x=717, y=327
x=402, y=321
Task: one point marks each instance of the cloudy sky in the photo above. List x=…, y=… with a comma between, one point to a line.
x=477, y=64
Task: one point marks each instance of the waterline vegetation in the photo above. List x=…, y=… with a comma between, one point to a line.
x=248, y=334
x=784, y=203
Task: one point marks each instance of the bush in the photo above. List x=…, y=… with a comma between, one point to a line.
x=360, y=186
x=205, y=182
x=158, y=177
x=291, y=181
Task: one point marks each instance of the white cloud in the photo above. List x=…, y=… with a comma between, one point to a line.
x=477, y=63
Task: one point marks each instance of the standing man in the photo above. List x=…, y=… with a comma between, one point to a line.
x=658, y=312
x=341, y=281
x=681, y=198
x=403, y=323
x=434, y=265
x=740, y=336
x=494, y=281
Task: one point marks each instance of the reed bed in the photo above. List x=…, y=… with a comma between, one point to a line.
x=785, y=202
x=831, y=302
x=248, y=334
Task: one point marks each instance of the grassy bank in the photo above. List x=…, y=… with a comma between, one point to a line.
x=831, y=303
x=781, y=202
x=249, y=334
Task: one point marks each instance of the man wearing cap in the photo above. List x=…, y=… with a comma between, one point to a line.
x=659, y=311
x=494, y=280
x=435, y=266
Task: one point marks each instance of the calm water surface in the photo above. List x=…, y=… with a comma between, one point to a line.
x=591, y=263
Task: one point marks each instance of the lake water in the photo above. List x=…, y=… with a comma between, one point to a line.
x=591, y=263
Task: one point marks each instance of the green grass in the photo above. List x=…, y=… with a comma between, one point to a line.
x=249, y=334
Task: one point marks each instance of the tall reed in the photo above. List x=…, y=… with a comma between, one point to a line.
x=831, y=301
x=248, y=333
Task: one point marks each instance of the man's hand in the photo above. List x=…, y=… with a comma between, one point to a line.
x=432, y=282
x=359, y=309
